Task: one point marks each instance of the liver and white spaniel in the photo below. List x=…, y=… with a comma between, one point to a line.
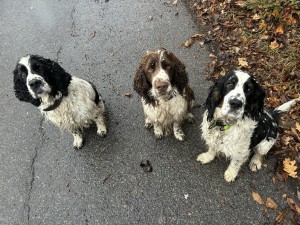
x=162, y=81
x=69, y=102
x=236, y=123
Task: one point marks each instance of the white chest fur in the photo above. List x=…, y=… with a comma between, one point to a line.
x=167, y=112
x=232, y=141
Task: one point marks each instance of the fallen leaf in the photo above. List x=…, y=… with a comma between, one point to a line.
x=271, y=204
x=293, y=205
x=175, y=2
x=127, y=94
x=279, y=30
x=284, y=196
x=280, y=216
x=189, y=213
x=274, y=45
x=241, y=3
x=262, y=25
x=198, y=36
x=243, y=62
x=298, y=126
x=145, y=164
x=290, y=167
x=192, y=40
x=257, y=198
x=275, y=13
x=188, y=43
x=256, y=17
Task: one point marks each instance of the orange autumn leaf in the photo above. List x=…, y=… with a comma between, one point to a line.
x=279, y=30
x=271, y=204
x=274, y=45
x=290, y=167
x=257, y=198
x=298, y=126
x=262, y=25
x=275, y=13
x=293, y=205
x=243, y=62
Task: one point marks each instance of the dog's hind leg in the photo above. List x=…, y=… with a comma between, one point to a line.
x=260, y=150
x=101, y=126
x=100, y=120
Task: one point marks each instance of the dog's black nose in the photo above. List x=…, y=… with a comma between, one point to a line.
x=235, y=103
x=34, y=84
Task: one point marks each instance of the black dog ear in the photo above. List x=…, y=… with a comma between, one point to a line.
x=54, y=74
x=20, y=87
x=141, y=84
x=180, y=76
x=213, y=100
x=63, y=79
x=214, y=97
x=255, y=102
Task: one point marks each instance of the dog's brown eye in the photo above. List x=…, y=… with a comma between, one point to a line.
x=248, y=89
x=230, y=85
x=167, y=66
x=151, y=68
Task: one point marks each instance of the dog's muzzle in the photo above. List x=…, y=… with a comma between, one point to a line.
x=162, y=87
x=235, y=104
x=36, y=86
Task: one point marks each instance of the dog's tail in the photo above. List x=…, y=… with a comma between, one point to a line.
x=284, y=107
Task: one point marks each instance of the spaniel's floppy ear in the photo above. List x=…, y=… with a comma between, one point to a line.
x=20, y=87
x=141, y=84
x=213, y=100
x=59, y=79
x=255, y=102
x=214, y=97
x=180, y=76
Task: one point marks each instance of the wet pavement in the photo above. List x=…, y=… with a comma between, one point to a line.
x=43, y=180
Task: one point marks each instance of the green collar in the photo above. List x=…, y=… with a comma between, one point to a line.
x=216, y=123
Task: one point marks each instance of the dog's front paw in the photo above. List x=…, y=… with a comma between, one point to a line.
x=230, y=174
x=102, y=132
x=77, y=144
x=158, y=135
x=205, y=158
x=148, y=125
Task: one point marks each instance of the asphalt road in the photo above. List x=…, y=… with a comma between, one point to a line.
x=43, y=180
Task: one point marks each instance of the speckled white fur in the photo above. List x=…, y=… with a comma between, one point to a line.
x=233, y=143
x=167, y=115
x=77, y=110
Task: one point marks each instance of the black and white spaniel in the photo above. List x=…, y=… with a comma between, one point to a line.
x=69, y=102
x=236, y=123
x=162, y=81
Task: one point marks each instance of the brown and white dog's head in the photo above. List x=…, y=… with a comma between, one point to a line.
x=159, y=74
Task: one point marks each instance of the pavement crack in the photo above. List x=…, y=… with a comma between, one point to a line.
x=32, y=166
x=73, y=25
x=58, y=53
